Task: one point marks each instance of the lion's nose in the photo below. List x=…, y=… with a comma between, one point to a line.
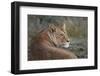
x=68, y=40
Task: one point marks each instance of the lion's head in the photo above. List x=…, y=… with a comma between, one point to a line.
x=58, y=35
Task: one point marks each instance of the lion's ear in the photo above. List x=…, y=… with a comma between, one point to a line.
x=63, y=27
x=52, y=28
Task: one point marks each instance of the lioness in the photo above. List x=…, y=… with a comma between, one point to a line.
x=47, y=43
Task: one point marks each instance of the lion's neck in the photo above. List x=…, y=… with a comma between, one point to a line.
x=43, y=39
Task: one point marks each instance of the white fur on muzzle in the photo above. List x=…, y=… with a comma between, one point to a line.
x=66, y=45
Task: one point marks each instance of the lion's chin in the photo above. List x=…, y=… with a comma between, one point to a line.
x=66, y=45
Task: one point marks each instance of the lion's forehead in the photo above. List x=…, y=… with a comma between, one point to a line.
x=60, y=32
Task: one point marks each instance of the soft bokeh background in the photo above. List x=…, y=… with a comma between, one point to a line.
x=75, y=26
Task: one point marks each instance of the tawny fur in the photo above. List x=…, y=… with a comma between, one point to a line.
x=43, y=49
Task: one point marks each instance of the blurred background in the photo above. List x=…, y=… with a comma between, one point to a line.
x=76, y=27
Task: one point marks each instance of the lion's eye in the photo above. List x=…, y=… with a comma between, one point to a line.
x=61, y=34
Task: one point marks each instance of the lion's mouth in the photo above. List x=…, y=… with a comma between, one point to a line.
x=65, y=45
